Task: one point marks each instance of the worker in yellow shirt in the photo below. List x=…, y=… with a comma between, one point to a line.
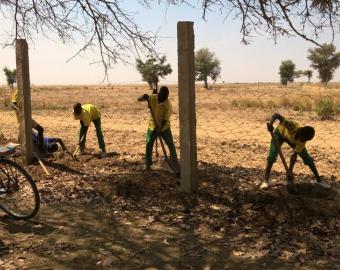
x=88, y=113
x=35, y=125
x=162, y=109
x=296, y=136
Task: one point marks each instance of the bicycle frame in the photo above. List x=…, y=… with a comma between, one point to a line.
x=9, y=179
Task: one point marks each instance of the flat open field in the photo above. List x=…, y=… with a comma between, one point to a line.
x=106, y=212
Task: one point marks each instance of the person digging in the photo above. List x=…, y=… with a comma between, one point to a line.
x=159, y=126
x=296, y=137
x=86, y=114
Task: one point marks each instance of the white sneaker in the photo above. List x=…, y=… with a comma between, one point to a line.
x=324, y=185
x=264, y=185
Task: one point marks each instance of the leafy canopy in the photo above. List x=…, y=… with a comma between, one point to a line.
x=153, y=69
x=206, y=65
x=11, y=76
x=308, y=73
x=325, y=60
x=287, y=72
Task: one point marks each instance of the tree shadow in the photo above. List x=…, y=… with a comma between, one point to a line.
x=226, y=224
x=35, y=227
x=63, y=167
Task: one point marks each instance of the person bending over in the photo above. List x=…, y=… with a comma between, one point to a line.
x=296, y=137
x=86, y=114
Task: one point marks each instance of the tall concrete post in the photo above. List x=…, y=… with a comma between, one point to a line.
x=24, y=100
x=186, y=100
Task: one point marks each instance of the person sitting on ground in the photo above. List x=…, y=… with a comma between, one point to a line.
x=88, y=113
x=35, y=125
x=296, y=136
x=162, y=110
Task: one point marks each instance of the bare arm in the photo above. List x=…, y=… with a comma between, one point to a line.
x=60, y=141
x=14, y=106
x=143, y=97
x=276, y=116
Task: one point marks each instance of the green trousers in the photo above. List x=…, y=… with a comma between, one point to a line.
x=151, y=136
x=307, y=159
x=100, y=137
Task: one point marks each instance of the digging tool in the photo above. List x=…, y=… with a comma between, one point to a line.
x=157, y=154
x=154, y=91
x=289, y=173
x=78, y=147
x=69, y=153
x=41, y=163
x=166, y=159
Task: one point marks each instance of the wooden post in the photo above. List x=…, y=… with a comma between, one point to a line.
x=24, y=100
x=186, y=100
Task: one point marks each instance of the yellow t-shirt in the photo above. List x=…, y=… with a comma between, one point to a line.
x=162, y=111
x=288, y=129
x=15, y=96
x=14, y=99
x=88, y=114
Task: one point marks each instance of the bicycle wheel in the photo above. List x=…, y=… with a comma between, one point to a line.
x=19, y=196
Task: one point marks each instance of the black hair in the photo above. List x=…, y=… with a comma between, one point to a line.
x=163, y=94
x=52, y=147
x=77, y=108
x=164, y=89
x=307, y=133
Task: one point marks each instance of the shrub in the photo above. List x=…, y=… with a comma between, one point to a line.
x=326, y=108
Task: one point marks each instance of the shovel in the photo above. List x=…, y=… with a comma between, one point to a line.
x=172, y=166
x=77, y=149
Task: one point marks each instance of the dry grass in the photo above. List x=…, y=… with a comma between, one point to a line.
x=305, y=99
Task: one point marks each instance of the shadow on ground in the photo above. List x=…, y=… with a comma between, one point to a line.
x=123, y=218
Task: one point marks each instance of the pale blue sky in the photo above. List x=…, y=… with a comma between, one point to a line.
x=258, y=61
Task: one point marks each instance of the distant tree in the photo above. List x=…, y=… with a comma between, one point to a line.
x=11, y=77
x=206, y=65
x=287, y=72
x=153, y=69
x=298, y=74
x=308, y=73
x=325, y=60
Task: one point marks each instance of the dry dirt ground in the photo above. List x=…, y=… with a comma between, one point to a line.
x=107, y=213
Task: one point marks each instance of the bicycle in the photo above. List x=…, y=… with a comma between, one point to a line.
x=19, y=195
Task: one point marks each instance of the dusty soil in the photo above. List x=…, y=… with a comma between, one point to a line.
x=108, y=213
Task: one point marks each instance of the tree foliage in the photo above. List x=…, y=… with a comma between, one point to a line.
x=308, y=73
x=298, y=74
x=325, y=60
x=287, y=72
x=153, y=69
x=206, y=65
x=11, y=76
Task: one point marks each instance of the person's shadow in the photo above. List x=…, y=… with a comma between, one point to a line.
x=312, y=191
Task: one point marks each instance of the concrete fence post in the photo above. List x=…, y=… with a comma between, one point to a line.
x=24, y=100
x=186, y=100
